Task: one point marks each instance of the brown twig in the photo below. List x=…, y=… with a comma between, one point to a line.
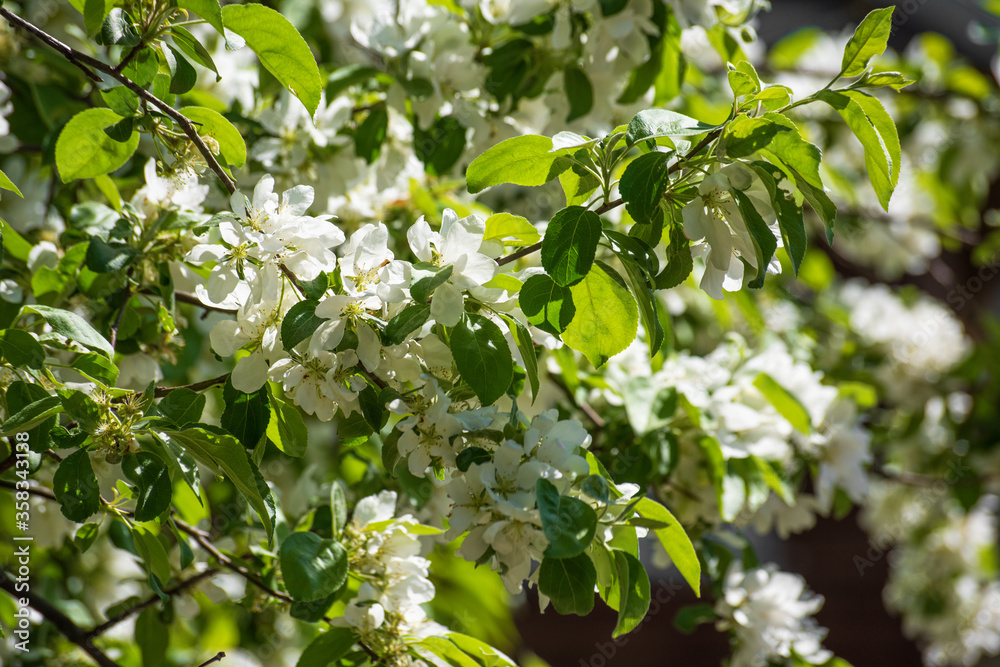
x=59, y=620
x=160, y=392
x=149, y=602
x=187, y=297
x=87, y=64
x=216, y=658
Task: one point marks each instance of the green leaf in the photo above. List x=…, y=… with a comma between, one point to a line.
x=653, y=123
x=547, y=305
x=7, y=184
x=421, y=289
x=371, y=134
x=281, y=49
x=85, y=536
x=193, y=49
x=787, y=405
x=21, y=349
x=868, y=41
x=763, y=239
x=569, y=523
x=524, y=160
x=286, y=428
x=688, y=618
x=789, y=214
x=29, y=413
x=117, y=29
x=873, y=127
x=511, y=230
x=606, y=319
x=213, y=124
x=109, y=257
x=636, y=276
x=182, y=73
x=405, y=322
x=72, y=326
x=579, y=91
x=439, y=147
x=674, y=540
x=151, y=550
x=894, y=80
x=84, y=150
x=152, y=478
x=152, y=636
x=633, y=592
x=76, y=488
x=483, y=653
x=210, y=10
x=327, y=648
x=94, y=12
x=226, y=454
x=246, y=415
x=299, y=323
x=643, y=184
x=27, y=416
x=448, y=653
x=570, y=244
x=82, y=408
x=679, y=263
x=182, y=407
x=311, y=567
x=569, y=583
x=472, y=456
x=482, y=356
x=527, y=349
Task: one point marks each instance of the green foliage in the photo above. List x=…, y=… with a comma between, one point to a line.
x=569, y=523
x=482, y=357
x=85, y=149
x=280, y=48
x=152, y=480
x=525, y=160
x=311, y=567
x=606, y=319
x=75, y=487
x=570, y=245
x=569, y=583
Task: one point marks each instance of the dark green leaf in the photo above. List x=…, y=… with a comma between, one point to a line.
x=21, y=349
x=763, y=239
x=643, y=184
x=109, y=257
x=299, y=323
x=246, y=415
x=421, y=289
x=371, y=133
x=75, y=487
x=327, y=648
x=182, y=407
x=569, y=583
x=482, y=357
x=152, y=478
x=570, y=244
x=569, y=523
x=579, y=91
x=547, y=305
x=286, y=428
x=406, y=322
x=311, y=567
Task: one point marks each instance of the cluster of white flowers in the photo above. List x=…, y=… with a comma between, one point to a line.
x=386, y=612
x=943, y=571
x=725, y=387
x=922, y=340
x=770, y=615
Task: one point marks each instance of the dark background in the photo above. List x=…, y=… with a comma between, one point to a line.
x=861, y=630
